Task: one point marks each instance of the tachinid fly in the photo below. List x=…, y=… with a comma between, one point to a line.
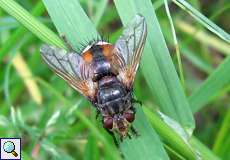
x=104, y=73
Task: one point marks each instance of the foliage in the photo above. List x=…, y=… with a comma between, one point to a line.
x=57, y=122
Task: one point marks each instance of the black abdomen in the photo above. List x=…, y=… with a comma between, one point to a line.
x=111, y=94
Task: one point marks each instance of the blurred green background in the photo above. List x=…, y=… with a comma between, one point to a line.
x=55, y=122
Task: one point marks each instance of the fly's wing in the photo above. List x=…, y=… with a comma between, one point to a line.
x=128, y=50
x=71, y=67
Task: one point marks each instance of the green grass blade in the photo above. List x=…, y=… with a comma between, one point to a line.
x=147, y=146
x=206, y=154
x=196, y=60
x=203, y=20
x=174, y=141
x=16, y=36
x=169, y=137
x=222, y=136
x=71, y=20
x=203, y=37
x=100, y=9
x=26, y=19
x=211, y=86
x=71, y=23
x=91, y=147
x=80, y=115
x=175, y=42
x=96, y=132
x=157, y=66
x=188, y=53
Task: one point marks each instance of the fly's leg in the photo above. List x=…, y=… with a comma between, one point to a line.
x=114, y=138
x=133, y=109
x=97, y=114
x=133, y=100
x=129, y=135
x=116, y=142
x=136, y=101
x=121, y=138
x=134, y=131
x=67, y=43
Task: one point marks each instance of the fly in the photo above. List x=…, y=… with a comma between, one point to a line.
x=105, y=73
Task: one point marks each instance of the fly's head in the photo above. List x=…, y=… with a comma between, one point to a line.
x=119, y=122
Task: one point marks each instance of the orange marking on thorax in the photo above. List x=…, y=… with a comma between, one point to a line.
x=107, y=49
x=87, y=56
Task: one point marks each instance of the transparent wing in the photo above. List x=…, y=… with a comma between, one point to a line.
x=128, y=50
x=71, y=67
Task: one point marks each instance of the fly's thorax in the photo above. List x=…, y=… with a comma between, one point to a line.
x=96, y=55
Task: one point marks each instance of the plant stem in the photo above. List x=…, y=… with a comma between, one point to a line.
x=178, y=55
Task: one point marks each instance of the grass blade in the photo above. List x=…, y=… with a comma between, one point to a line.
x=100, y=9
x=157, y=66
x=211, y=86
x=77, y=28
x=16, y=36
x=48, y=36
x=203, y=37
x=74, y=29
x=203, y=20
x=188, y=53
x=206, y=154
x=91, y=147
x=222, y=136
x=147, y=146
x=170, y=137
x=176, y=45
x=27, y=77
x=176, y=143
x=30, y=22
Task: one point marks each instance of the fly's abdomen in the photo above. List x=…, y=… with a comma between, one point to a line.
x=110, y=93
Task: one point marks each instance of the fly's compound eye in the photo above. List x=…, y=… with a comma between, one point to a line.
x=129, y=117
x=108, y=123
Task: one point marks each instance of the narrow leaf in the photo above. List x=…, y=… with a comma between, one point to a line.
x=147, y=145
x=71, y=20
x=211, y=86
x=18, y=33
x=27, y=77
x=157, y=66
x=203, y=20
x=36, y=27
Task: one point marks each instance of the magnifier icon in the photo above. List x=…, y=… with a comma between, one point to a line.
x=9, y=147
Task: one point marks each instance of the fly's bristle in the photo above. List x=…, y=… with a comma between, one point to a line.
x=105, y=38
x=90, y=41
